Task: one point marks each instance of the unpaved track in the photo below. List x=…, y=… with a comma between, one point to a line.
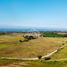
x=50, y=54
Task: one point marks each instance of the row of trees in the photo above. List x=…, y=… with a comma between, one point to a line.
x=52, y=34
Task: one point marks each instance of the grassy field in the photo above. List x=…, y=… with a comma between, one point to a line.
x=62, y=54
x=19, y=63
x=11, y=47
x=48, y=64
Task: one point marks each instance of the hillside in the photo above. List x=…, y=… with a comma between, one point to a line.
x=10, y=46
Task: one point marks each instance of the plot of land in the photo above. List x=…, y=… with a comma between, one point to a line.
x=11, y=47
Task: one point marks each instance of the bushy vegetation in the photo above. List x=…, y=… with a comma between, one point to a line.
x=29, y=37
x=1, y=33
x=20, y=41
x=47, y=58
x=52, y=34
x=39, y=57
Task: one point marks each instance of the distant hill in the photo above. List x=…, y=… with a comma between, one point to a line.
x=30, y=29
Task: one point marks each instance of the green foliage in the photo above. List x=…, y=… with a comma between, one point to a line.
x=52, y=34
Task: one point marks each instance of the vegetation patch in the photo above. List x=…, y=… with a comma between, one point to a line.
x=52, y=34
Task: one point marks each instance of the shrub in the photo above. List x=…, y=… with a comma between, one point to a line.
x=62, y=43
x=52, y=34
x=65, y=35
x=47, y=58
x=39, y=57
x=20, y=41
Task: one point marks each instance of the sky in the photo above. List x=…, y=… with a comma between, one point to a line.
x=33, y=13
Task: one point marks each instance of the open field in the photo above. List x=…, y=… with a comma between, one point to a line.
x=62, y=54
x=19, y=63
x=11, y=47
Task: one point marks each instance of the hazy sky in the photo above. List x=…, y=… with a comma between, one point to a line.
x=33, y=13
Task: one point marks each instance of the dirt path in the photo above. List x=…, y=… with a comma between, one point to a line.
x=48, y=55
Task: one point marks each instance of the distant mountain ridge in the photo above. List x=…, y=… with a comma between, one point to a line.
x=31, y=30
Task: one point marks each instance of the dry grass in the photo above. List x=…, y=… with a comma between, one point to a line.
x=16, y=63
x=10, y=45
x=62, y=54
